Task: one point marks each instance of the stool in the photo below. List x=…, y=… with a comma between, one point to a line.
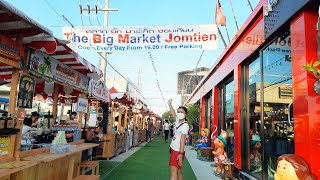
x=87, y=177
x=93, y=165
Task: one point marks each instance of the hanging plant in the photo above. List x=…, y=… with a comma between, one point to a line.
x=313, y=68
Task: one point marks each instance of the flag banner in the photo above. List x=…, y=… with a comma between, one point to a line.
x=220, y=17
x=136, y=38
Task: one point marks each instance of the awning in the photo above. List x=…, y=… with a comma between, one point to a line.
x=15, y=24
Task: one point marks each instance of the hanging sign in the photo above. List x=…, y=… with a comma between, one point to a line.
x=136, y=38
x=82, y=105
x=54, y=69
x=99, y=91
x=26, y=91
x=10, y=52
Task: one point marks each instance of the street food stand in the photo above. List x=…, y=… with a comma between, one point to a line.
x=14, y=66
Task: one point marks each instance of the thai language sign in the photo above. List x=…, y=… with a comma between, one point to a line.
x=54, y=69
x=98, y=90
x=119, y=39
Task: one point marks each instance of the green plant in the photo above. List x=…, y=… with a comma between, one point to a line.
x=196, y=136
x=167, y=116
x=193, y=116
x=313, y=68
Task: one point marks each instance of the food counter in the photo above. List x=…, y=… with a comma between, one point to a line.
x=45, y=165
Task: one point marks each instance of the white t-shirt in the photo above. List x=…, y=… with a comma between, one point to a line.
x=166, y=126
x=25, y=129
x=183, y=129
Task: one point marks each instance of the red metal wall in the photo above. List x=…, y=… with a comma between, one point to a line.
x=306, y=102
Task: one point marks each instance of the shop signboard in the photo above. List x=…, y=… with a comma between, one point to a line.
x=82, y=105
x=10, y=52
x=142, y=38
x=26, y=91
x=98, y=90
x=54, y=69
x=277, y=12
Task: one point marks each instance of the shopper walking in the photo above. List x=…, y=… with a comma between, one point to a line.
x=149, y=129
x=177, y=151
x=166, y=128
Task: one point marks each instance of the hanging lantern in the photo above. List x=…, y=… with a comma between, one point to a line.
x=45, y=96
x=74, y=100
x=62, y=100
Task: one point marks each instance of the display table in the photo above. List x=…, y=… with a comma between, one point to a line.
x=46, y=166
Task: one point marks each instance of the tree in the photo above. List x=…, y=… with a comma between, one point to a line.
x=167, y=116
x=193, y=114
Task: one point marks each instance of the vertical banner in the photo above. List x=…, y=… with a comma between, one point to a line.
x=146, y=38
x=26, y=91
x=82, y=105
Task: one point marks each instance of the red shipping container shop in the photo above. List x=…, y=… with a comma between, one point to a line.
x=258, y=90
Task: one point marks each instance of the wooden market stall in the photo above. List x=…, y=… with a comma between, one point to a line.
x=20, y=66
x=116, y=140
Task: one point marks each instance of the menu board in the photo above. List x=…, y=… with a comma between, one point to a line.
x=26, y=91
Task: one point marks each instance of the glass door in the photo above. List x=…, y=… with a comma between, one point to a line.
x=278, y=123
x=226, y=115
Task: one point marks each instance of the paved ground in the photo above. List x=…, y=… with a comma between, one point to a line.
x=127, y=154
x=201, y=169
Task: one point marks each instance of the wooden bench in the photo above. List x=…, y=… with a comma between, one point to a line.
x=93, y=165
x=87, y=177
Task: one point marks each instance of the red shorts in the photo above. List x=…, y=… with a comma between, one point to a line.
x=174, y=159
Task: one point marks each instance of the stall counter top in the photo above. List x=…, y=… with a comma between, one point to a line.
x=30, y=161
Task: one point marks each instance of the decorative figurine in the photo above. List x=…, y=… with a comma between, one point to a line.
x=204, y=140
x=220, y=155
x=293, y=167
x=255, y=145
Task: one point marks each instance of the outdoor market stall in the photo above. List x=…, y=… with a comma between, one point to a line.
x=14, y=67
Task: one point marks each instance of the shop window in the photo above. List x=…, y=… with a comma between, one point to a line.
x=226, y=115
x=254, y=132
x=277, y=102
x=208, y=120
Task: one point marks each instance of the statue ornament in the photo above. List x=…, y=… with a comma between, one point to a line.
x=293, y=167
x=204, y=142
x=219, y=153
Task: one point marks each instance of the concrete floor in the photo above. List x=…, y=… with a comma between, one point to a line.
x=201, y=169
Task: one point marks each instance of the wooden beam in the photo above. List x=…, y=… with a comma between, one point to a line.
x=126, y=117
x=13, y=92
x=119, y=127
x=55, y=100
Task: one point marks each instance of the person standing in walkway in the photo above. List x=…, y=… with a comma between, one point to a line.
x=177, y=151
x=166, y=128
x=149, y=129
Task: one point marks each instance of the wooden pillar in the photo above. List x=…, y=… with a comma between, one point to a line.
x=111, y=117
x=13, y=92
x=55, y=101
x=113, y=113
x=126, y=117
x=119, y=127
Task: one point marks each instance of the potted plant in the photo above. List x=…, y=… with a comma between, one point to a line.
x=313, y=68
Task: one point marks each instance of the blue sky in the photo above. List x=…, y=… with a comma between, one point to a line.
x=144, y=13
